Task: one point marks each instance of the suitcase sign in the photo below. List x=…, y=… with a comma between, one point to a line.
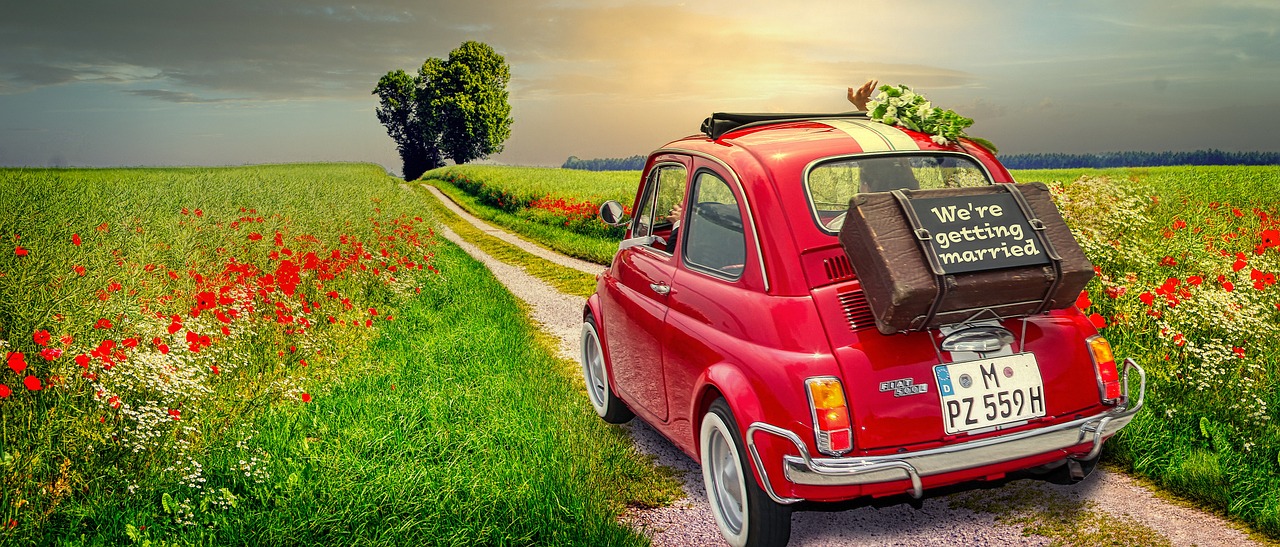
x=980, y=232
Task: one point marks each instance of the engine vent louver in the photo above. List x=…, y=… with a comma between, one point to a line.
x=856, y=310
x=838, y=268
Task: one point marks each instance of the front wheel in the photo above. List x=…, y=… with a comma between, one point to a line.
x=743, y=511
x=607, y=405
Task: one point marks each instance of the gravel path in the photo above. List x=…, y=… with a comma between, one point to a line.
x=688, y=521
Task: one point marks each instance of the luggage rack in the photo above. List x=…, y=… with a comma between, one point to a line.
x=719, y=123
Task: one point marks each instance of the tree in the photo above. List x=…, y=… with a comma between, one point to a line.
x=398, y=110
x=455, y=108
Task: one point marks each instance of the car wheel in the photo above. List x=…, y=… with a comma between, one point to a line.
x=607, y=405
x=743, y=511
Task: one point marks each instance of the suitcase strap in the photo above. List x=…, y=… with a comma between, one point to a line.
x=1037, y=226
x=935, y=264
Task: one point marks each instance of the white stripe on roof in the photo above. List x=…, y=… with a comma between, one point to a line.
x=874, y=136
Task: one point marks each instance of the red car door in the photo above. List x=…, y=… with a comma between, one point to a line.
x=635, y=300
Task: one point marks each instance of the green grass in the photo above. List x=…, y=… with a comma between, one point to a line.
x=1209, y=431
x=566, y=280
x=506, y=196
x=525, y=184
x=436, y=412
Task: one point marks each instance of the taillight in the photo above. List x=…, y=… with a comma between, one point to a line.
x=830, y=414
x=1104, y=362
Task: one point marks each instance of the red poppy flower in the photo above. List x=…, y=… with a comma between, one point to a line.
x=32, y=383
x=1239, y=351
x=1195, y=280
x=175, y=414
x=78, y=269
x=1238, y=265
x=1228, y=286
x=199, y=213
x=1097, y=320
x=42, y=337
x=20, y=251
x=1168, y=261
x=102, y=227
x=5, y=391
x=1271, y=238
x=17, y=362
x=82, y=360
x=1179, y=224
x=1236, y=212
x=114, y=401
x=50, y=354
x=255, y=236
x=103, y=324
x=1179, y=340
x=1147, y=298
x=215, y=370
x=206, y=300
x=306, y=397
x=129, y=342
x=75, y=239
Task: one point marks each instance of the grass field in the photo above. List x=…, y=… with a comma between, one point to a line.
x=280, y=355
x=556, y=207
x=1187, y=258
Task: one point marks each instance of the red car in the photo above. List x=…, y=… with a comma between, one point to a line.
x=733, y=321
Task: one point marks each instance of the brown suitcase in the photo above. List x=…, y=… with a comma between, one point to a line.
x=928, y=258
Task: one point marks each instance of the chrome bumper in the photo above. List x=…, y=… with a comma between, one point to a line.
x=804, y=469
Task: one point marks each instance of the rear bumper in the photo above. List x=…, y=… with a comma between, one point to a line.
x=1092, y=430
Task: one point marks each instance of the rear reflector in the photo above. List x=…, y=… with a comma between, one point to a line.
x=831, y=425
x=1104, y=362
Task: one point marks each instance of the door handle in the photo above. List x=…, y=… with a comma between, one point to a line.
x=660, y=287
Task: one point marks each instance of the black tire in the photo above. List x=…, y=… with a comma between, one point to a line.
x=752, y=519
x=595, y=376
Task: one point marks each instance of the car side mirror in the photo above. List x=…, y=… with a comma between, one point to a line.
x=611, y=213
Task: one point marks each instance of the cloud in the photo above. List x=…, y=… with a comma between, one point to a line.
x=174, y=96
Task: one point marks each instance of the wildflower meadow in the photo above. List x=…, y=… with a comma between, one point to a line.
x=205, y=354
x=1187, y=261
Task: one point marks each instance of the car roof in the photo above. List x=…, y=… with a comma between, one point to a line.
x=770, y=153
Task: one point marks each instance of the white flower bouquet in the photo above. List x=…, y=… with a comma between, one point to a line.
x=899, y=105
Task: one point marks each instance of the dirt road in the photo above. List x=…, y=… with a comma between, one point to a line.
x=1107, y=507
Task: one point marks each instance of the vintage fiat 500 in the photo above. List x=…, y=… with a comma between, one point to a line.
x=736, y=318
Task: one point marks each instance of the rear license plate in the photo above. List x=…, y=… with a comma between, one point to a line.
x=989, y=392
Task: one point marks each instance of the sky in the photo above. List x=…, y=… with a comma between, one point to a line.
x=232, y=82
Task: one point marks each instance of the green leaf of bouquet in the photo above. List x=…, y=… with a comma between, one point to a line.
x=991, y=147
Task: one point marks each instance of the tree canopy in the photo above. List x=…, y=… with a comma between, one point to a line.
x=454, y=108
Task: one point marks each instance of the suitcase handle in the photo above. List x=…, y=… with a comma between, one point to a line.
x=931, y=256
x=1038, y=227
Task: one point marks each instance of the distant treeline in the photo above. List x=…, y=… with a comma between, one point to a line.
x=1138, y=159
x=1029, y=161
x=633, y=163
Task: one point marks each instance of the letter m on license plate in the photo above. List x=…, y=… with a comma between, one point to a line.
x=989, y=393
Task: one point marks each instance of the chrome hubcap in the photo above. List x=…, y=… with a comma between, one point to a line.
x=593, y=366
x=727, y=485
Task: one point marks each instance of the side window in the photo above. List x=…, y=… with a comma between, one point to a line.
x=715, y=240
x=663, y=191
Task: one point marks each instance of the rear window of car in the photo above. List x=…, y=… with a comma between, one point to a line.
x=831, y=184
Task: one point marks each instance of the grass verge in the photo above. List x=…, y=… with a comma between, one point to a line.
x=567, y=280
x=599, y=250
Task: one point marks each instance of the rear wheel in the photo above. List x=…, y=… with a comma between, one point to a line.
x=743, y=511
x=607, y=405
